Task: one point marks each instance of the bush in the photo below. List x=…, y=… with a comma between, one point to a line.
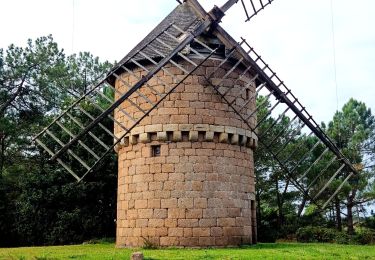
x=343, y=238
x=365, y=237
x=320, y=234
x=316, y=234
x=369, y=222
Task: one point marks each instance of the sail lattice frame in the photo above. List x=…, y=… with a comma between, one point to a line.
x=68, y=135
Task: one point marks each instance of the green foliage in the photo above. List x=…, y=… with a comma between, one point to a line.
x=365, y=237
x=369, y=222
x=39, y=203
x=312, y=234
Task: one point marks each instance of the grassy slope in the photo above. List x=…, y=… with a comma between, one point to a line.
x=260, y=251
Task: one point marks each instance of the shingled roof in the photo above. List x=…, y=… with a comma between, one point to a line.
x=183, y=16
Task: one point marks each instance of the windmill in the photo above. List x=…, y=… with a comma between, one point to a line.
x=185, y=128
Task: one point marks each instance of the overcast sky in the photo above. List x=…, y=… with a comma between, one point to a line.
x=294, y=36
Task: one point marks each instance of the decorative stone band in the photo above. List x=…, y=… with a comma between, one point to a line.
x=189, y=132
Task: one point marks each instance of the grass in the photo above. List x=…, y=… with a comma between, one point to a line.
x=260, y=251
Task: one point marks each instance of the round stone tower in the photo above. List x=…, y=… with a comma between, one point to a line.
x=186, y=172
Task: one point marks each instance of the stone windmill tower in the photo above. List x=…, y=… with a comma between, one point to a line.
x=185, y=130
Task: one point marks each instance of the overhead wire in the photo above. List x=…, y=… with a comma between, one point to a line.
x=334, y=55
x=335, y=69
x=73, y=25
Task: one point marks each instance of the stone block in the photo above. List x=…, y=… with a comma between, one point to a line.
x=185, y=202
x=133, y=139
x=156, y=222
x=195, y=119
x=221, y=241
x=144, y=213
x=189, y=96
x=180, y=119
x=193, y=213
x=200, y=203
x=204, y=152
x=223, y=137
x=153, y=204
x=161, y=136
x=143, y=222
x=217, y=128
x=185, y=127
x=206, y=241
x=189, y=241
x=137, y=256
x=209, y=136
x=168, y=111
x=234, y=139
x=125, y=141
x=154, y=128
x=167, y=167
x=170, y=223
x=193, y=136
x=188, y=232
x=187, y=223
x=230, y=130
x=160, y=213
x=176, y=136
x=202, y=127
x=255, y=143
x=144, y=138
x=207, y=222
x=241, y=131
x=226, y=222
x=233, y=231
x=182, y=103
x=160, y=119
x=173, y=158
x=243, y=140
x=170, y=127
x=116, y=148
x=176, y=213
x=169, y=241
x=169, y=203
x=160, y=176
x=161, y=231
x=141, y=204
x=176, y=232
x=138, y=130
x=216, y=231
x=201, y=232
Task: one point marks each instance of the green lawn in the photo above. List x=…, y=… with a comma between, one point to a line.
x=260, y=251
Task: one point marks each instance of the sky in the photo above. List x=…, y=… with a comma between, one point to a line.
x=304, y=41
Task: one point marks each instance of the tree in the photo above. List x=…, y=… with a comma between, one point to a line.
x=353, y=129
x=274, y=194
x=42, y=204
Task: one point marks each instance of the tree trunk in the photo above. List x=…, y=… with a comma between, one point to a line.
x=258, y=216
x=349, y=207
x=2, y=152
x=301, y=206
x=338, y=214
x=280, y=215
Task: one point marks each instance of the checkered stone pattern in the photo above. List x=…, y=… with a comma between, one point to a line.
x=199, y=190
